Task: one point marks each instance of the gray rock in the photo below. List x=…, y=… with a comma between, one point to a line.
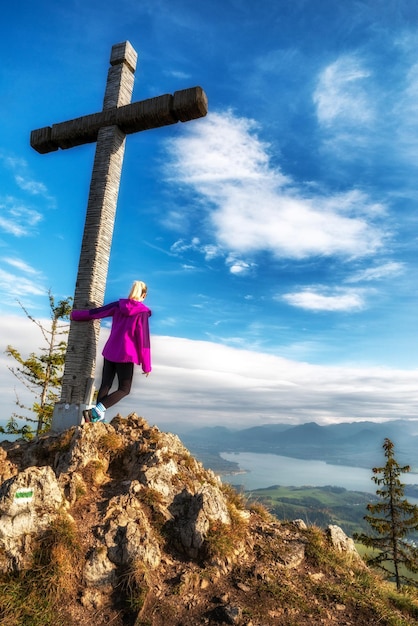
x=99, y=571
x=192, y=514
x=339, y=539
x=342, y=543
x=29, y=502
x=128, y=535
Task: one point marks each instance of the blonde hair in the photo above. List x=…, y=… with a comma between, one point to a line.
x=138, y=291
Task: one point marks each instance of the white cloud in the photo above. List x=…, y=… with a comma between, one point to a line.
x=188, y=268
x=366, y=113
x=11, y=227
x=18, y=279
x=341, y=95
x=221, y=148
x=411, y=90
x=178, y=74
x=210, y=252
x=181, y=246
x=21, y=265
x=379, y=272
x=18, y=220
x=13, y=162
x=291, y=226
x=254, y=207
x=237, y=266
x=314, y=300
x=19, y=168
x=13, y=286
x=403, y=117
x=33, y=187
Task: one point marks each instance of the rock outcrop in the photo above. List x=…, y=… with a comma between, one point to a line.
x=151, y=470
x=136, y=531
x=29, y=502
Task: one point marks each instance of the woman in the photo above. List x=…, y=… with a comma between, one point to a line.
x=128, y=343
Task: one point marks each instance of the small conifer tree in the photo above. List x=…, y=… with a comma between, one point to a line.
x=392, y=520
x=41, y=373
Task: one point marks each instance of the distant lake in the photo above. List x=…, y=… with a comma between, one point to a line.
x=265, y=470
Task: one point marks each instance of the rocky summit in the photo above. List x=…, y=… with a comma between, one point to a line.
x=118, y=524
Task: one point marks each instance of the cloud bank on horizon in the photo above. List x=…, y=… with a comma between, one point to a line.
x=234, y=387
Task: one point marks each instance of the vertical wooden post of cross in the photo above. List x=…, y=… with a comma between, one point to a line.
x=78, y=379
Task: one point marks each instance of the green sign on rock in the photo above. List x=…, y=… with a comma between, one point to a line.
x=24, y=494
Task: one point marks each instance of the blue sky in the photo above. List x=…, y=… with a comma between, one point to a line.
x=278, y=235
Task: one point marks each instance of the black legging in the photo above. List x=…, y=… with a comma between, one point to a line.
x=124, y=372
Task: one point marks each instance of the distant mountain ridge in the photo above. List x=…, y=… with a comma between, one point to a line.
x=356, y=444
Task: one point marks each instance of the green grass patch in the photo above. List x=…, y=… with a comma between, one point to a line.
x=318, y=506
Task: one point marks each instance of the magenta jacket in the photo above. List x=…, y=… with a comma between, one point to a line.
x=129, y=340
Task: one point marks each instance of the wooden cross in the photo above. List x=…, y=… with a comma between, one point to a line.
x=108, y=129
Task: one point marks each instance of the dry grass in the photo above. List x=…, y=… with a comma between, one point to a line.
x=37, y=596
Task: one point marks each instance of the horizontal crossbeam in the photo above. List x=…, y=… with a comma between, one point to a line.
x=182, y=106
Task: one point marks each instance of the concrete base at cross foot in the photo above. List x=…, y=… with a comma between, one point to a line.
x=66, y=415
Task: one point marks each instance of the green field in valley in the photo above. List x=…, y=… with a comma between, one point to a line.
x=318, y=506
